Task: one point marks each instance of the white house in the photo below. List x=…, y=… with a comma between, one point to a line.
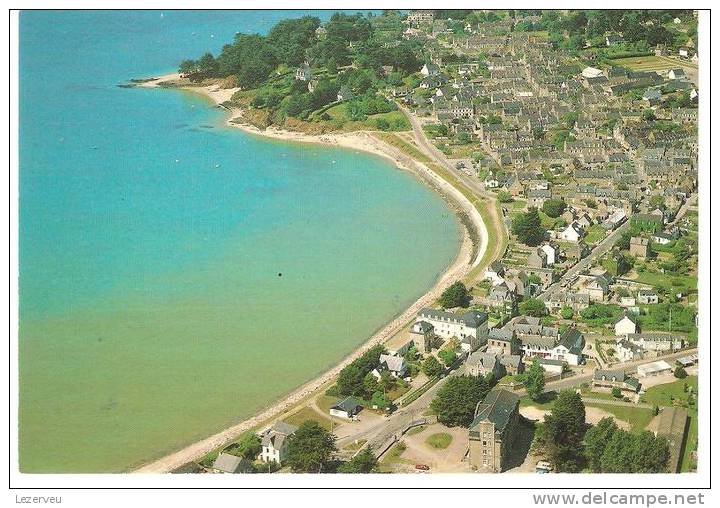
x=647, y=297
x=572, y=233
x=570, y=348
x=430, y=69
x=656, y=341
x=591, y=72
x=347, y=408
x=626, y=324
x=550, y=253
x=303, y=73
x=551, y=366
x=472, y=325
x=494, y=273
x=274, y=442
x=393, y=364
x=676, y=74
x=626, y=351
x=627, y=301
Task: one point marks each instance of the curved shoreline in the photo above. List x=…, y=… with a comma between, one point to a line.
x=470, y=254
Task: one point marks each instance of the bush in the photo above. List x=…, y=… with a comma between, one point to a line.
x=448, y=357
x=616, y=392
x=432, y=367
x=504, y=197
x=680, y=373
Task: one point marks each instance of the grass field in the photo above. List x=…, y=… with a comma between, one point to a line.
x=637, y=417
x=306, y=414
x=356, y=446
x=595, y=233
x=684, y=283
x=663, y=395
x=416, y=430
x=643, y=63
x=403, y=146
x=439, y=441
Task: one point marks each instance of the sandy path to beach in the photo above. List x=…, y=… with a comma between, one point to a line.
x=465, y=261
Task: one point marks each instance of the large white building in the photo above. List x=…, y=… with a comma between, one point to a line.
x=471, y=325
x=654, y=369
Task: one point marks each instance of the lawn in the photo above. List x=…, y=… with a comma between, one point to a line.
x=416, y=430
x=403, y=146
x=684, y=283
x=439, y=441
x=392, y=457
x=663, y=395
x=356, y=446
x=398, y=391
x=595, y=233
x=643, y=63
x=325, y=402
x=545, y=401
x=637, y=417
x=339, y=118
x=306, y=414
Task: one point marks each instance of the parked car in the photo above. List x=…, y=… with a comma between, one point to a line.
x=422, y=467
x=543, y=467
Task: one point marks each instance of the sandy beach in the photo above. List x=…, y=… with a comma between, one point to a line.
x=468, y=257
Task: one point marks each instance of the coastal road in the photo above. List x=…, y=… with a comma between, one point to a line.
x=473, y=184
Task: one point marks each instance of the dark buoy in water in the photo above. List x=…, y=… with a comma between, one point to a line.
x=279, y=274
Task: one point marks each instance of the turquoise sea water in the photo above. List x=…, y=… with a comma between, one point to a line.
x=175, y=275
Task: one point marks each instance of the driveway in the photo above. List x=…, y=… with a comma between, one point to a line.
x=449, y=460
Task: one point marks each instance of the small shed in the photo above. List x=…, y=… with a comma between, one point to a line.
x=347, y=408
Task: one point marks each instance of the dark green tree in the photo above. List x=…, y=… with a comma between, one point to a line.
x=596, y=440
x=528, y=227
x=455, y=402
x=554, y=207
x=310, y=449
x=564, y=432
x=456, y=295
x=533, y=307
x=534, y=380
x=362, y=463
x=432, y=367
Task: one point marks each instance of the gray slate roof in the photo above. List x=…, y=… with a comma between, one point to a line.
x=498, y=407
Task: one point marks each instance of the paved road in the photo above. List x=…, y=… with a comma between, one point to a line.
x=383, y=431
x=600, y=250
x=627, y=367
x=472, y=183
x=690, y=202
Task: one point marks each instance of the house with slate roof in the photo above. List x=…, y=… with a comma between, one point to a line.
x=274, y=442
x=347, y=408
x=493, y=431
x=471, y=325
x=230, y=464
x=570, y=348
x=609, y=379
x=394, y=364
